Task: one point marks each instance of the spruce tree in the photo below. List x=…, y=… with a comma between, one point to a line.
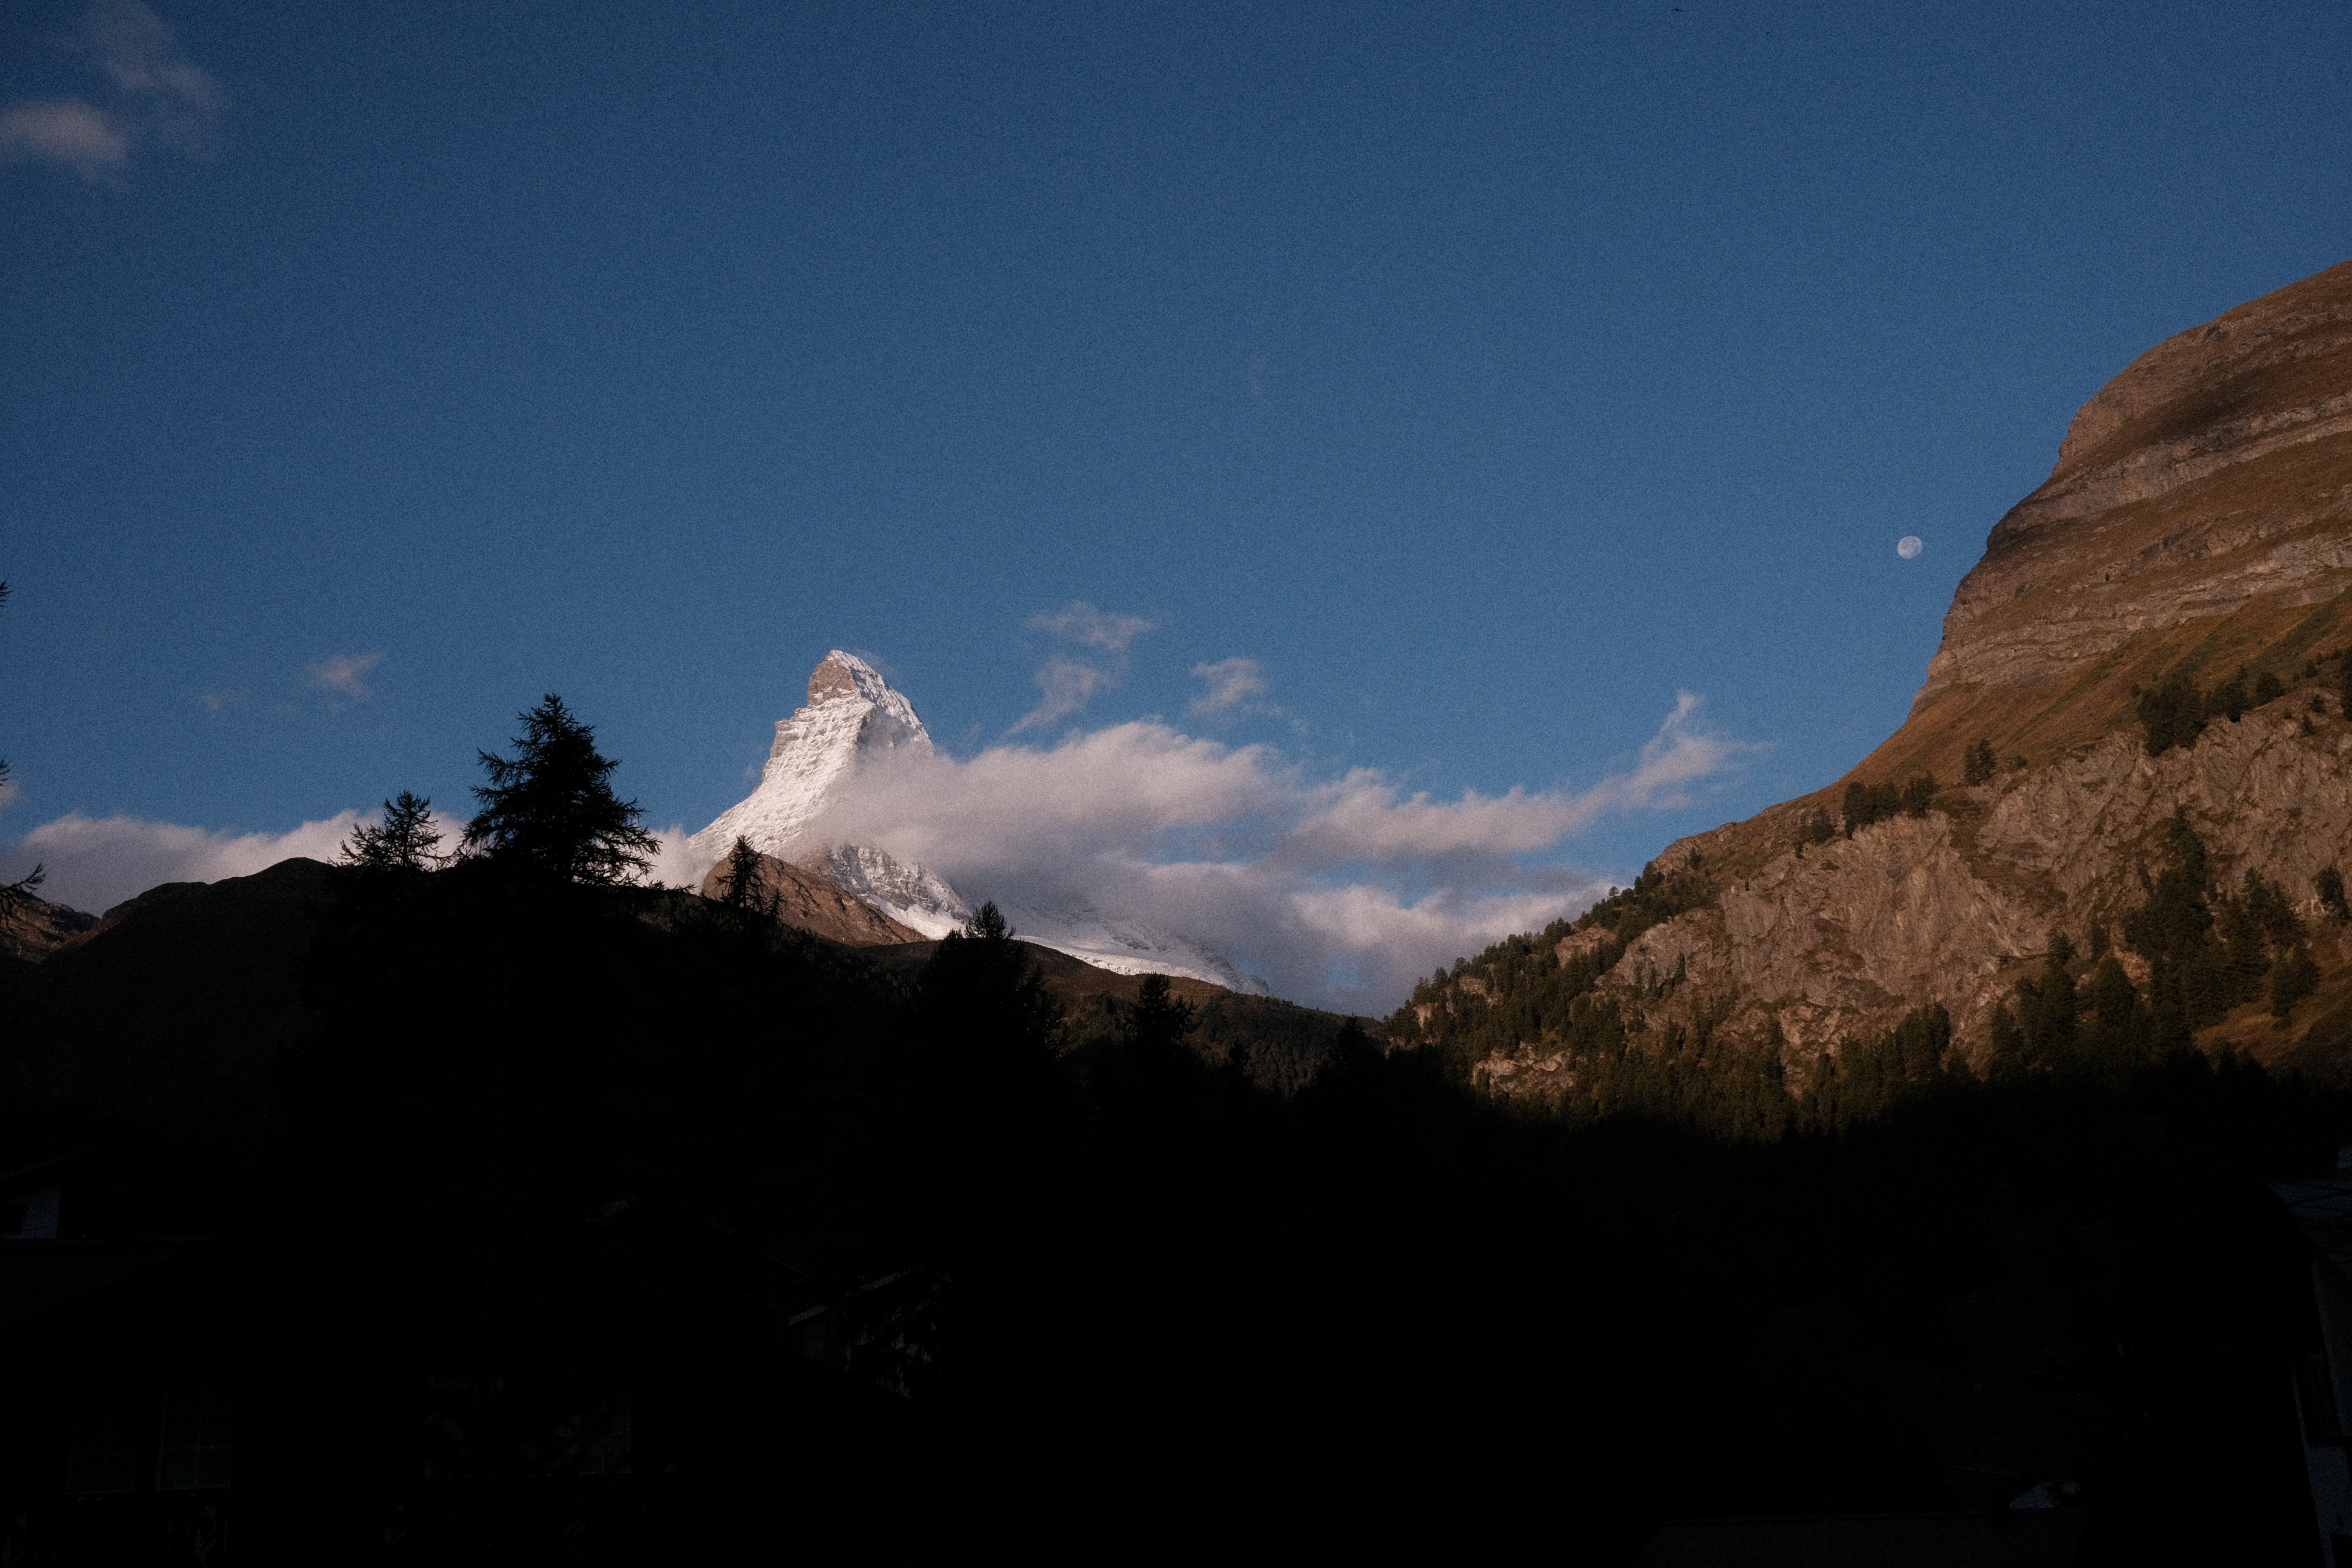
x=404, y=841
x=739, y=885
x=551, y=808
x=2171, y=714
x=1161, y=1020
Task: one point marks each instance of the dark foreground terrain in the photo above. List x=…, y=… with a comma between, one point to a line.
x=521, y=1221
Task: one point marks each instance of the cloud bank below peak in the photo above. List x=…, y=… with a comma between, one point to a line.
x=1337, y=891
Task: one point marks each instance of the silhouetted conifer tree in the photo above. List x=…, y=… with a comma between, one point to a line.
x=2046, y=1007
x=551, y=809
x=404, y=841
x=1160, y=1020
x=739, y=884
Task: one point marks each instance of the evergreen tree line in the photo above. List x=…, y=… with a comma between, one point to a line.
x=2174, y=711
x=2208, y=951
x=1866, y=803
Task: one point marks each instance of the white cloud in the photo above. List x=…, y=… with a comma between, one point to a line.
x=675, y=864
x=160, y=96
x=96, y=862
x=1083, y=623
x=1232, y=683
x=340, y=674
x=1068, y=685
x=1339, y=892
x=9, y=791
x=90, y=142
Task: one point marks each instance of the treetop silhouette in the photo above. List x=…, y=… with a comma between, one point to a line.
x=404, y=841
x=551, y=808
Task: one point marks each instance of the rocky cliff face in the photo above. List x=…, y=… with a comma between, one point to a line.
x=2199, y=517
x=815, y=903
x=2198, y=524
x=31, y=929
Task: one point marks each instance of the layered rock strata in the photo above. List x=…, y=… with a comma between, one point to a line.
x=2198, y=523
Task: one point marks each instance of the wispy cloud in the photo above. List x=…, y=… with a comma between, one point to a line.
x=159, y=97
x=89, y=141
x=1232, y=683
x=1339, y=890
x=341, y=674
x=1082, y=622
x=1068, y=685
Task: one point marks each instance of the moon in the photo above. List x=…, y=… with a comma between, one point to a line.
x=1909, y=547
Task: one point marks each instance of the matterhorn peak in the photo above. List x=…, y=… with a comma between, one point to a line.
x=845, y=677
x=852, y=715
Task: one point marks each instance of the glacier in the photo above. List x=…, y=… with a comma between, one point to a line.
x=854, y=717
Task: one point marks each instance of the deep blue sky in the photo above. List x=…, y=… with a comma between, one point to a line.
x=1487, y=373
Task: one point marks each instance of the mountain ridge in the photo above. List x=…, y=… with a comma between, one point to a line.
x=2194, y=534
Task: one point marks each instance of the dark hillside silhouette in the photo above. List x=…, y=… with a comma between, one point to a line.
x=559, y=1220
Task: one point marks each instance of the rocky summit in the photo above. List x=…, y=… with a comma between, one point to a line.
x=2141, y=675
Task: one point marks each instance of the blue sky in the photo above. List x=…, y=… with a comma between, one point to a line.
x=1487, y=376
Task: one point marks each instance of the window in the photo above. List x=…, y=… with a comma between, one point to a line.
x=198, y=1423
x=102, y=1452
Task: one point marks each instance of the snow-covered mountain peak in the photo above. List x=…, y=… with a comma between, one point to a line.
x=852, y=715
x=842, y=677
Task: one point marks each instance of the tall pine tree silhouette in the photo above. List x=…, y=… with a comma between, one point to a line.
x=551, y=808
